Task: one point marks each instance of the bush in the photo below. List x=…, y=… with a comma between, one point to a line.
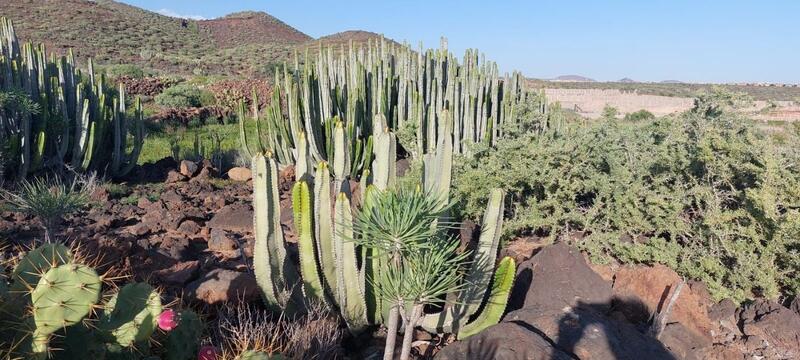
x=641, y=115
x=128, y=70
x=710, y=196
x=180, y=96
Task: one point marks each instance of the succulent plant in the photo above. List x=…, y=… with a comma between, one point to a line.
x=79, y=120
x=338, y=270
x=55, y=296
x=183, y=340
x=131, y=315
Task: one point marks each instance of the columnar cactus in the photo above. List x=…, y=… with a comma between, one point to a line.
x=78, y=118
x=333, y=270
x=456, y=313
x=382, y=86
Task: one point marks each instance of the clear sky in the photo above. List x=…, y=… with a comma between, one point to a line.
x=647, y=40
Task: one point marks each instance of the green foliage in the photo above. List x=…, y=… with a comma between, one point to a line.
x=55, y=299
x=705, y=193
x=71, y=117
x=641, y=115
x=610, y=112
x=180, y=96
x=128, y=70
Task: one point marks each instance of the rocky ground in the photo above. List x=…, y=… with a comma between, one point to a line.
x=188, y=231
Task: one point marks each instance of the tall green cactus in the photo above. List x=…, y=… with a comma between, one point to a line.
x=366, y=90
x=460, y=307
x=333, y=270
x=78, y=119
x=384, y=166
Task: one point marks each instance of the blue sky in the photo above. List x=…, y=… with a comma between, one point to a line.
x=648, y=40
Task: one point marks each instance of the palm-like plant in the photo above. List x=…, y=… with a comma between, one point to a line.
x=405, y=228
x=47, y=199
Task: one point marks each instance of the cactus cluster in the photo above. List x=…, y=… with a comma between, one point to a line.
x=366, y=91
x=52, y=300
x=334, y=271
x=79, y=120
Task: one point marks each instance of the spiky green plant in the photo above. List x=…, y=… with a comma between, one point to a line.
x=418, y=278
x=48, y=199
x=80, y=121
x=55, y=296
x=365, y=91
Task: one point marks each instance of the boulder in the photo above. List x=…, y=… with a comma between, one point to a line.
x=220, y=241
x=640, y=292
x=240, y=174
x=504, y=341
x=189, y=227
x=234, y=217
x=178, y=274
x=174, y=177
x=771, y=330
x=224, y=286
x=563, y=314
x=521, y=249
x=586, y=333
x=556, y=278
x=795, y=305
x=188, y=168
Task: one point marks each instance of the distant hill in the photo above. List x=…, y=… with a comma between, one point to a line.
x=573, y=78
x=626, y=80
x=247, y=28
x=116, y=33
x=358, y=37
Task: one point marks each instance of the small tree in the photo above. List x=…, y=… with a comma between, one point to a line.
x=422, y=262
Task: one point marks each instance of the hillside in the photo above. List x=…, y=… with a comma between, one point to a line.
x=573, y=78
x=115, y=33
x=251, y=28
x=345, y=37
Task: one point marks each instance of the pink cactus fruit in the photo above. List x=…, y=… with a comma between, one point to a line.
x=168, y=320
x=207, y=353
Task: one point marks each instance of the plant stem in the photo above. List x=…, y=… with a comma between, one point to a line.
x=408, y=337
x=391, y=333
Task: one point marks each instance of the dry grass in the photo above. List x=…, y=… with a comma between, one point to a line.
x=315, y=335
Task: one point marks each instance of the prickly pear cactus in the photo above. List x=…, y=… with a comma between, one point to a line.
x=79, y=342
x=35, y=264
x=131, y=315
x=184, y=341
x=64, y=296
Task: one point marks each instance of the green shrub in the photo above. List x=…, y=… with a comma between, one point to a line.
x=710, y=196
x=116, y=71
x=180, y=96
x=641, y=115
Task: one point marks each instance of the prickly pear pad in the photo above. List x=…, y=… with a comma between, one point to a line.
x=37, y=262
x=64, y=296
x=131, y=315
